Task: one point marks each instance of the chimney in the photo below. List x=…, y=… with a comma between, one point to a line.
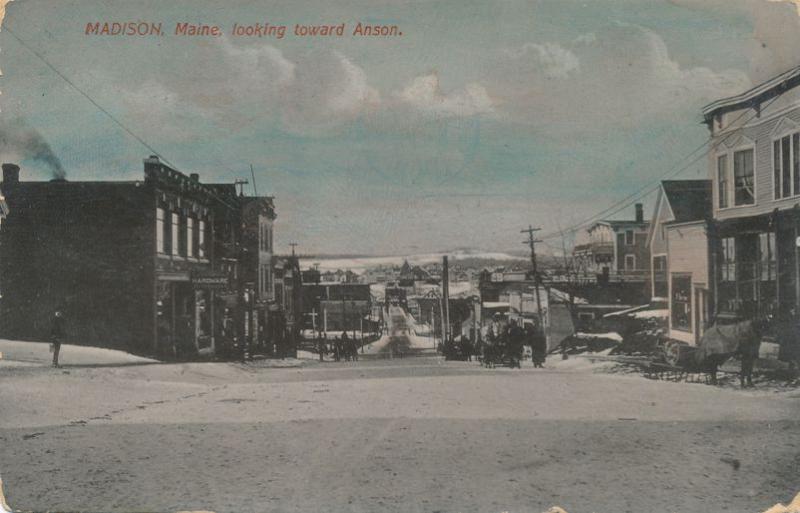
x=195, y=177
x=639, y=213
x=10, y=174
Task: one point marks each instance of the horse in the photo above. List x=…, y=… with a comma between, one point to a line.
x=721, y=341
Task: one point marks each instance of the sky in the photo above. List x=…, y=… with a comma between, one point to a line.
x=481, y=119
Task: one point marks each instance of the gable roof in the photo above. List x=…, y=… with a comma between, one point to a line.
x=690, y=200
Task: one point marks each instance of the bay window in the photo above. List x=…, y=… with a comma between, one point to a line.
x=786, y=166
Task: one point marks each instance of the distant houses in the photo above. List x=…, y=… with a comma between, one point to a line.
x=615, y=251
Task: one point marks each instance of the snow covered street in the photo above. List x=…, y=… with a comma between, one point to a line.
x=417, y=434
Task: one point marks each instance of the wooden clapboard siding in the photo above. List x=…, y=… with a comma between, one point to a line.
x=758, y=131
x=687, y=253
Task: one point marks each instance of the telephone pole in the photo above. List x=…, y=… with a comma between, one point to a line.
x=253, y=174
x=293, y=245
x=531, y=242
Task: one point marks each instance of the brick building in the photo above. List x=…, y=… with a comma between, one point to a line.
x=147, y=266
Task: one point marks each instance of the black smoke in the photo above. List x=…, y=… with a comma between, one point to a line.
x=21, y=142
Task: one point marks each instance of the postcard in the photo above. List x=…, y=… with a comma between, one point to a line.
x=435, y=256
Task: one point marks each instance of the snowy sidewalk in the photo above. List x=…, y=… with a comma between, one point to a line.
x=25, y=354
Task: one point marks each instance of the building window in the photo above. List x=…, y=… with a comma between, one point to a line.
x=161, y=243
x=767, y=258
x=201, y=239
x=796, y=164
x=266, y=280
x=682, y=302
x=183, y=235
x=629, y=237
x=776, y=169
x=743, y=178
x=630, y=262
x=722, y=181
x=660, y=284
x=786, y=166
x=728, y=267
x=191, y=236
x=175, y=233
x=270, y=238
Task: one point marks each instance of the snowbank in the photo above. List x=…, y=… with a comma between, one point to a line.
x=611, y=335
x=19, y=353
x=651, y=314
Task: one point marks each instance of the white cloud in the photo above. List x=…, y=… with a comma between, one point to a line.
x=355, y=91
x=775, y=43
x=424, y=94
x=260, y=60
x=235, y=85
x=328, y=89
x=554, y=60
x=620, y=76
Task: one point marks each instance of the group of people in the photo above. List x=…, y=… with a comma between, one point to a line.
x=502, y=342
x=506, y=341
x=342, y=347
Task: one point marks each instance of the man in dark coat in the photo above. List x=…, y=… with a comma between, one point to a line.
x=57, y=334
x=341, y=348
x=516, y=344
x=322, y=346
x=538, y=345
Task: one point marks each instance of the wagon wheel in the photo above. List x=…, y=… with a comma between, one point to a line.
x=672, y=352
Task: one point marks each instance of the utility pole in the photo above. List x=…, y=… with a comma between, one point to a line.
x=446, y=297
x=531, y=242
x=253, y=174
x=293, y=245
x=433, y=328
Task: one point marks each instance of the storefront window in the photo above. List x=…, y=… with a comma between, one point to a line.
x=660, y=276
x=728, y=259
x=203, y=318
x=767, y=253
x=727, y=275
x=682, y=302
x=748, y=273
x=164, y=331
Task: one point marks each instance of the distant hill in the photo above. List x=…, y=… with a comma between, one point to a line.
x=464, y=257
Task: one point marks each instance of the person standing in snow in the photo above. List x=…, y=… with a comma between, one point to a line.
x=57, y=334
x=321, y=346
x=538, y=345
